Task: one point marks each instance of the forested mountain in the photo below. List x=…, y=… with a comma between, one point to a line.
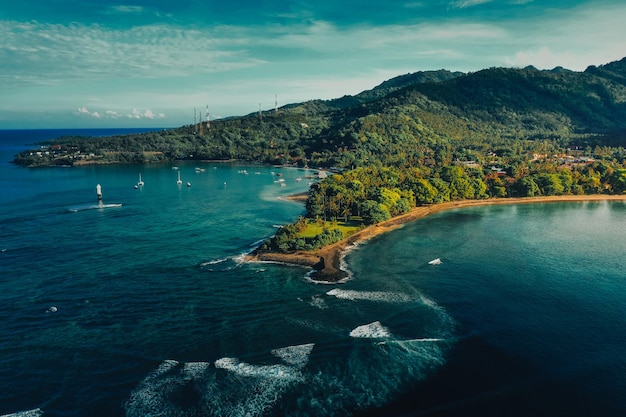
x=408, y=120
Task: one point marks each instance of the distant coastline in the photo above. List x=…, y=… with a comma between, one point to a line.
x=326, y=261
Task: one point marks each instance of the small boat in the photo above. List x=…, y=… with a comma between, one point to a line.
x=188, y=184
x=140, y=183
x=179, y=180
x=435, y=262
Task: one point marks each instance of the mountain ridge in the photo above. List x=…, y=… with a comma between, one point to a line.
x=408, y=117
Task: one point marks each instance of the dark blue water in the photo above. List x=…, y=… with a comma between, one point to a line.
x=156, y=314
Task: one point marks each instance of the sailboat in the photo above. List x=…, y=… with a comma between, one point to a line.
x=140, y=183
x=179, y=181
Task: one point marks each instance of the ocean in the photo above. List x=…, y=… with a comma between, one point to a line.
x=145, y=306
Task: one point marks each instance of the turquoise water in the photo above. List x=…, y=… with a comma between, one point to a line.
x=156, y=314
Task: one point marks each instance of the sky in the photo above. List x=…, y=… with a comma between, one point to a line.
x=162, y=63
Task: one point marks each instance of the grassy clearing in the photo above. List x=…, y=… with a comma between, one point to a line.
x=347, y=228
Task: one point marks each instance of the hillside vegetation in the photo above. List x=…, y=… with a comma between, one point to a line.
x=416, y=139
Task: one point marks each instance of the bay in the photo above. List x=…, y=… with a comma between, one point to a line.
x=156, y=314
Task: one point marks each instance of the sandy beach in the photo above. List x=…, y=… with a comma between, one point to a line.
x=326, y=261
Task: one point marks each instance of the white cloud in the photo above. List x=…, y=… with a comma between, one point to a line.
x=574, y=39
x=543, y=58
x=463, y=4
x=113, y=114
x=414, y=5
x=128, y=9
x=87, y=112
x=38, y=53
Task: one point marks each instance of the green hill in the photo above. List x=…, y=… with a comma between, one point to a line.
x=414, y=119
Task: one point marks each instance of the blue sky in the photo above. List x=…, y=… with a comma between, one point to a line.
x=84, y=63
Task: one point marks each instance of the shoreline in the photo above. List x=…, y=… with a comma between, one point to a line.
x=327, y=261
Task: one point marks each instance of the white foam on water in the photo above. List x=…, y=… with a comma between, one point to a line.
x=297, y=356
x=427, y=339
x=166, y=366
x=343, y=264
x=318, y=302
x=93, y=207
x=240, y=259
x=373, y=330
x=255, y=371
x=226, y=363
x=389, y=297
x=195, y=370
x=309, y=277
x=244, y=389
x=370, y=375
x=151, y=398
x=257, y=388
x=30, y=413
x=214, y=262
x=429, y=302
x=258, y=243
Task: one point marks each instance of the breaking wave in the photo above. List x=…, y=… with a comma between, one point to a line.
x=30, y=413
x=228, y=388
x=373, y=330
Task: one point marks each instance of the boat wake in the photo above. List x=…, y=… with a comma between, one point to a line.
x=93, y=207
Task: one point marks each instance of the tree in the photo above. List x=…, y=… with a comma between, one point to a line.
x=460, y=184
x=525, y=187
x=443, y=190
x=374, y=212
x=495, y=186
x=425, y=192
x=617, y=181
x=550, y=184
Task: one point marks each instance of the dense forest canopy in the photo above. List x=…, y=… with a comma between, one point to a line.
x=416, y=139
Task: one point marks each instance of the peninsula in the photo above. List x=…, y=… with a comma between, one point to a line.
x=326, y=261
